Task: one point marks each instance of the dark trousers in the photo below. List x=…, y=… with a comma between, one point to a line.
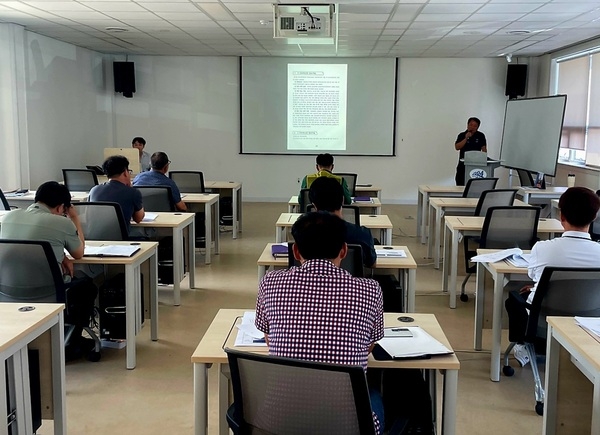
x=459, y=178
x=517, y=315
x=81, y=295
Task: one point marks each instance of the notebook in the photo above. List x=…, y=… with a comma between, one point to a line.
x=279, y=250
x=110, y=251
x=362, y=199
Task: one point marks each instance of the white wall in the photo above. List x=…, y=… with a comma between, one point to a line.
x=189, y=108
x=68, y=109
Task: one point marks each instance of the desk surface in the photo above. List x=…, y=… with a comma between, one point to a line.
x=428, y=188
x=503, y=266
x=166, y=220
x=210, y=348
x=380, y=221
x=200, y=198
x=533, y=191
x=144, y=248
x=475, y=223
x=578, y=339
x=452, y=202
x=222, y=184
x=375, y=202
x=14, y=324
x=30, y=196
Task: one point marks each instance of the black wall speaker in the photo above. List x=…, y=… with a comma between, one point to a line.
x=516, y=80
x=124, y=74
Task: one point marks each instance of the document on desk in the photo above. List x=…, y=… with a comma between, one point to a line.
x=420, y=344
x=362, y=199
x=149, y=217
x=497, y=256
x=393, y=253
x=591, y=325
x=248, y=334
x=519, y=260
x=110, y=251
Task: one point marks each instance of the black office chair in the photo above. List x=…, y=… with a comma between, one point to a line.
x=494, y=198
x=188, y=181
x=595, y=229
x=525, y=178
x=30, y=273
x=475, y=186
x=3, y=202
x=353, y=262
x=561, y=291
x=80, y=180
x=503, y=228
x=351, y=213
x=304, y=200
x=350, y=181
x=102, y=220
x=273, y=395
x=157, y=198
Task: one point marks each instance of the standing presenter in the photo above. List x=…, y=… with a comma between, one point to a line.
x=469, y=140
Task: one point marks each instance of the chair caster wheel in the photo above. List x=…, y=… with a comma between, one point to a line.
x=464, y=298
x=508, y=371
x=93, y=356
x=539, y=408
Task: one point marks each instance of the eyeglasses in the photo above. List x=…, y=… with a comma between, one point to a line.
x=130, y=171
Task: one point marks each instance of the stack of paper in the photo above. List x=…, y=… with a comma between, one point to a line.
x=497, y=256
x=395, y=253
x=110, y=251
x=519, y=260
x=419, y=345
x=590, y=324
x=149, y=217
x=248, y=334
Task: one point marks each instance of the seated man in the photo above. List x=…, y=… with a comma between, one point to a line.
x=140, y=143
x=578, y=208
x=325, y=169
x=305, y=311
x=118, y=189
x=51, y=218
x=156, y=177
x=326, y=194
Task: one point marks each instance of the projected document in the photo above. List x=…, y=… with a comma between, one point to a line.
x=316, y=115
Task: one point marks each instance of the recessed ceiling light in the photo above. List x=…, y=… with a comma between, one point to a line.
x=116, y=29
x=265, y=22
x=518, y=32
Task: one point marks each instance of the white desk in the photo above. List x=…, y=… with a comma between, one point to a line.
x=133, y=300
x=17, y=330
x=426, y=191
x=210, y=201
x=373, y=206
x=406, y=268
x=531, y=193
x=177, y=222
x=501, y=272
x=373, y=222
x=457, y=226
x=438, y=208
x=24, y=201
x=572, y=403
x=236, y=199
x=210, y=351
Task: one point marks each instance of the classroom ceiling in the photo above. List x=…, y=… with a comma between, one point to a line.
x=377, y=28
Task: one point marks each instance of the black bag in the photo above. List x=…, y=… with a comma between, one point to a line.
x=111, y=300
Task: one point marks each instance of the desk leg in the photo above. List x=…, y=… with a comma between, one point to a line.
x=177, y=264
x=278, y=235
x=596, y=407
x=223, y=385
x=424, y=217
x=262, y=270
x=430, y=239
x=479, y=306
x=419, y=214
x=551, y=383
x=437, y=242
x=445, y=263
x=453, y=268
x=200, y=399
x=449, y=406
x=59, y=395
x=22, y=390
x=497, y=328
x=130, y=314
x=388, y=236
x=240, y=207
x=411, y=290
x=234, y=199
x=207, y=232
x=153, y=280
x=192, y=254
x=217, y=219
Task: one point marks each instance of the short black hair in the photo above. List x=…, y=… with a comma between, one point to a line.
x=115, y=165
x=139, y=139
x=327, y=194
x=53, y=194
x=579, y=206
x=474, y=119
x=325, y=160
x=159, y=160
x=319, y=235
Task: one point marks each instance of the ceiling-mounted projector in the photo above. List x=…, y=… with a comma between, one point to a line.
x=304, y=24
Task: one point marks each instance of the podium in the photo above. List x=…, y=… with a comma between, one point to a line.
x=477, y=165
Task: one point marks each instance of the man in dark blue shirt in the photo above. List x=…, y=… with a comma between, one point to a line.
x=469, y=140
x=156, y=176
x=327, y=194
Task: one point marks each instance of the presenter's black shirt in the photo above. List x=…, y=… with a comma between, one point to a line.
x=474, y=143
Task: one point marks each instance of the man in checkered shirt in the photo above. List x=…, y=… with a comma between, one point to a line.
x=318, y=311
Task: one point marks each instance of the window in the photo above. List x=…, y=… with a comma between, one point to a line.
x=578, y=76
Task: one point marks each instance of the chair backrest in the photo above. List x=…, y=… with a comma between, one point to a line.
x=29, y=272
x=475, y=186
x=274, y=395
x=188, y=181
x=156, y=198
x=494, y=198
x=525, y=178
x=3, y=202
x=353, y=262
x=351, y=213
x=563, y=291
x=350, y=181
x=510, y=227
x=80, y=180
x=595, y=229
x=304, y=200
x=102, y=220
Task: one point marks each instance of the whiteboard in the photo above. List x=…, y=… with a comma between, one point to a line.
x=531, y=134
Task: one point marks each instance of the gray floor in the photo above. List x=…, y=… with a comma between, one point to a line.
x=156, y=397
